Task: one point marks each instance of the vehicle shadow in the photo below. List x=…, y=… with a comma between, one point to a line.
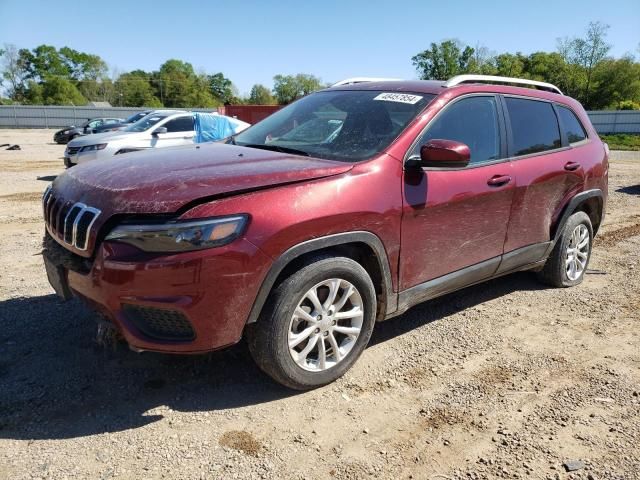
x=56, y=382
x=630, y=190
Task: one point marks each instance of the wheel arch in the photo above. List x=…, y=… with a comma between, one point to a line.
x=364, y=247
x=590, y=202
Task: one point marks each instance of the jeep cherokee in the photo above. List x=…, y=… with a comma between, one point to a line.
x=345, y=208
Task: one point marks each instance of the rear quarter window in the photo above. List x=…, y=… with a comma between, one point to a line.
x=534, y=126
x=571, y=126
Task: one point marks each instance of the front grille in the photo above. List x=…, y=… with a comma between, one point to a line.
x=70, y=222
x=159, y=323
x=73, y=150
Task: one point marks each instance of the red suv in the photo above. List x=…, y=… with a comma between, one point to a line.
x=343, y=209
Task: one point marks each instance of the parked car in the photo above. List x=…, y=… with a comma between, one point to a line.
x=111, y=127
x=69, y=133
x=302, y=246
x=148, y=131
x=159, y=129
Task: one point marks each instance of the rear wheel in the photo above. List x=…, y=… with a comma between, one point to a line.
x=316, y=323
x=569, y=259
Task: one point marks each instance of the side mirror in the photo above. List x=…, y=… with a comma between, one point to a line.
x=158, y=131
x=444, y=154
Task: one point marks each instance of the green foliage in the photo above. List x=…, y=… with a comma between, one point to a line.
x=222, y=88
x=617, y=84
x=287, y=88
x=261, y=95
x=178, y=86
x=629, y=105
x=134, y=90
x=54, y=91
x=580, y=67
x=444, y=60
x=622, y=141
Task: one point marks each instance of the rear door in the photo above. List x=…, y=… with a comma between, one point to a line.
x=547, y=172
x=457, y=218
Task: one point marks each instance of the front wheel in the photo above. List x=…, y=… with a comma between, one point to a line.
x=568, y=261
x=316, y=323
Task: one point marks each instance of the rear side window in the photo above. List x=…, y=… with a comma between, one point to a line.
x=181, y=124
x=472, y=121
x=534, y=126
x=572, y=127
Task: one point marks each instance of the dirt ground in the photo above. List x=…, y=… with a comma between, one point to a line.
x=508, y=379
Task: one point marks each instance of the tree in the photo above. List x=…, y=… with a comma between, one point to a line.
x=222, y=88
x=261, y=95
x=308, y=83
x=54, y=91
x=586, y=54
x=482, y=61
x=135, y=90
x=179, y=86
x=83, y=66
x=288, y=88
x=548, y=67
x=443, y=61
x=510, y=64
x=44, y=61
x=285, y=89
x=14, y=72
x=617, y=84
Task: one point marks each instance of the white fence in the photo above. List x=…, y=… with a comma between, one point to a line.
x=23, y=116
x=27, y=116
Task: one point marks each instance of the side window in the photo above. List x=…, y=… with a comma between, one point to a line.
x=472, y=121
x=571, y=125
x=181, y=124
x=534, y=126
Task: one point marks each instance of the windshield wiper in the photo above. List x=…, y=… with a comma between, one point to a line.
x=276, y=148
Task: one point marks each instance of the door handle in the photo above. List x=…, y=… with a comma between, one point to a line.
x=498, y=180
x=571, y=166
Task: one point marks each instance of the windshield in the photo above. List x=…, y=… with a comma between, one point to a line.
x=145, y=123
x=337, y=125
x=135, y=117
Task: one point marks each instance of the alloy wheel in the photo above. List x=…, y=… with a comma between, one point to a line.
x=325, y=325
x=577, y=252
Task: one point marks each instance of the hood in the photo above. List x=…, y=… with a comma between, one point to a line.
x=70, y=129
x=164, y=180
x=98, y=138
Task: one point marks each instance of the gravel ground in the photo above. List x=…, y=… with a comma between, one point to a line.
x=508, y=379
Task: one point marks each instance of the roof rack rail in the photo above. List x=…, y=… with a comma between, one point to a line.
x=459, y=79
x=351, y=81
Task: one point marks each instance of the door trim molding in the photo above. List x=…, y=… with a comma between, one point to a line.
x=525, y=258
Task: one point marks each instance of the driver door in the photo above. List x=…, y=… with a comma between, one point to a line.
x=180, y=131
x=455, y=220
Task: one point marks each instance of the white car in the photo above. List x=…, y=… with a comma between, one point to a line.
x=161, y=128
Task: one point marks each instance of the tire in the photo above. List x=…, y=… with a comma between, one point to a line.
x=281, y=322
x=556, y=271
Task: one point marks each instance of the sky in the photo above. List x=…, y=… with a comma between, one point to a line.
x=251, y=41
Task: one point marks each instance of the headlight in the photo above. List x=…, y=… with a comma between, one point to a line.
x=92, y=148
x=65, y=132
x=181, y=236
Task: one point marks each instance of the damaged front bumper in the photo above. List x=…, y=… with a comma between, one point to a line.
x=185, y=303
